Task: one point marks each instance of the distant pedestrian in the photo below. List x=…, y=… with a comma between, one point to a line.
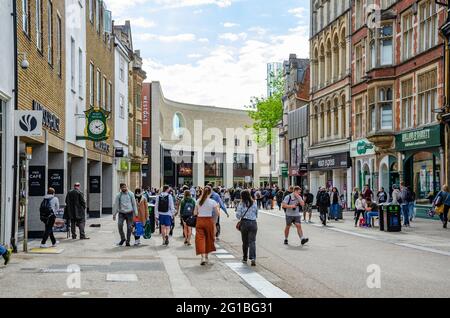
x=6, y=254
x=360, y=206
x=216, y=197
x=206, y=209
x=367, y=193
x=441, y=204
x=125, y=205
x=247, y=213
x=164, y=211
x=323, y=203
x=406, y=200
x=371, y=211
x=382, y=196
x=143, y=215
x=335, y=206
x=396, y=195
x=75, y=211
x=280, y=197
x=308, y=197
x=292, y=204
x=187, y=207
x=227, y=198
x=48, y=209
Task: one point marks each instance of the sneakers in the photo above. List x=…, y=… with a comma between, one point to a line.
x=120, y=243
x=203, y=261
x=137, y=243
x=253, y=262
x=7, y=257
x=43, y=246
x=304, y=241
x=56, y=244
x=286, y=242
x=128, y=244
x=244, y=261
x=166, y=240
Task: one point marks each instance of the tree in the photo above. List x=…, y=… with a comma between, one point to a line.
x=266, y=113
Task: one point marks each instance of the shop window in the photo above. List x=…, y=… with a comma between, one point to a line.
x=426, y=169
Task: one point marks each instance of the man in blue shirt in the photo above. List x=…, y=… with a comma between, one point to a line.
x=216, y=197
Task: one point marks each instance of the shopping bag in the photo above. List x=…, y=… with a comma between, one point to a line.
x=139, y=228
x=148, y=230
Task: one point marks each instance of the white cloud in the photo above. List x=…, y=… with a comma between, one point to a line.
x=229, y=76
x=199, y=11
x=233, y=37
x=203, y=40
x=194, y=56
x=139, y=22
x=229, y=25
x=172, y=4
x=185, y=37
x=298, y=12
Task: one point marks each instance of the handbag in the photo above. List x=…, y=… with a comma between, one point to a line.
x=191, y=221
x=238, y=225
x=139, y=229
x=147, y=230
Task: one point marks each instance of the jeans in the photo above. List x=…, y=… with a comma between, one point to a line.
x=129, y=219
x=49, y=232
x=369, y=216
x=3, y=250
x=323, y=210
x=444, y=216
x=405, y=213
x=412, y=211
x=81, y=224
x=248, y=233
x=335, y=210
x=358, y=214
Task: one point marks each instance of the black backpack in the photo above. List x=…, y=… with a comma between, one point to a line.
x=45, y=210
x=163, y=203
x=188, y=209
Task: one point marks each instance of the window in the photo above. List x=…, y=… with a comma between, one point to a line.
x=121, y=106
x=427, y=97
x=386, y=3
x=385, y=105
x=109, y=96
x=91, y=84
x=138, y=98
x=407, y=110
x=372, y=113
x=178, y=124
x=26, y=16
x=50, y=32
x=359, y=12
x=385, y=44
x=80, y=72
x=91, y=10
x=236, y=142
x=328, y=121
x=59, y=45
x=97, y=15
x=99, y=88
x=322, y=123
x=104, y=90
x=39, y=24
x=138, y=138
x=336, y=121
x=407, y=41
x=359, y=50
x=72, y=64
x=428, y=25
x=358, y=117
x=122, y=69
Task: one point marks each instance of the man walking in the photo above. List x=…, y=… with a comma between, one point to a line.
x=75, y=211
x=307, y=209
x=164, y=212
x=125, y=206
x=406, y=202
x=323, y=203
x=292, y=205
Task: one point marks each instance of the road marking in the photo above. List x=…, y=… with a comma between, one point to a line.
x=259, y=283
x=74, y=294
x=121, y=278
x=225, y=256
x=422, y=248
x=220, y=251
x=180, y=284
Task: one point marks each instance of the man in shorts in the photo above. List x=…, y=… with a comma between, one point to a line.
x=292, y=205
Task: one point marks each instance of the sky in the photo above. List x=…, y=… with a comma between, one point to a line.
x=214, y=52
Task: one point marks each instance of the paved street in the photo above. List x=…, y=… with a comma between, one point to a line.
x=333, y=264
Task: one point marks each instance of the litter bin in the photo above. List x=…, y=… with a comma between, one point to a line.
x=392, y=218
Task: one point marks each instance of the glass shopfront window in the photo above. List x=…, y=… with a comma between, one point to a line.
x=426, y=171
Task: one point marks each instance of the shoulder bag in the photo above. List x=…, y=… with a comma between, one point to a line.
x=238, y=225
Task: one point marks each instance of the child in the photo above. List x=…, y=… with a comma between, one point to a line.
x=6, y=254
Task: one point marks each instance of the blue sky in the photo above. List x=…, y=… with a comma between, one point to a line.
x=214, y=52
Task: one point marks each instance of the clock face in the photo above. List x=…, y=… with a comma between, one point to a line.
x=97, y=127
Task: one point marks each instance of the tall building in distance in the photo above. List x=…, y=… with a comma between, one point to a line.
x=274, y=70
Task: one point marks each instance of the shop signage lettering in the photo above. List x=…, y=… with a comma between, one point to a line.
x=334, y=161
x=49, y=119
x=56, y=180
x=94, y=184
x=102, y=146
x=422, y=138
x=361, y=148
x=36, y=181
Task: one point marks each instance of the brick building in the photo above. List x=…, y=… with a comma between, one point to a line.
x=397, y=91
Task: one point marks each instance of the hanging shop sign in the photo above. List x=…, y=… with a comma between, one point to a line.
x=361, y=148
x=56, y=180
x=49, y=119
x=36, y=181
x=28, y=123
x=135, y=167
x=427, y=137
x=124, y=165
x=94, y=184
x=119, y=153
x=96, y=125
x=333, y=161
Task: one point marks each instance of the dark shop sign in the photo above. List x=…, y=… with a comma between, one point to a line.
x=36, y=181
x=56, y=180
x=94, y=184
x=49, y=119
x=334, y=161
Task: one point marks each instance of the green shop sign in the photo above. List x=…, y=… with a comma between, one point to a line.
x=135, y=167
x=96, y=125
x=284, y=171
x=361, y=148
x=124, y=165
x=421, y=138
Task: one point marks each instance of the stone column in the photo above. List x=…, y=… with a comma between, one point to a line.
x=95, y=199
x=199, y=169
x=58, y=161
x=108, y=190
x=78, y=172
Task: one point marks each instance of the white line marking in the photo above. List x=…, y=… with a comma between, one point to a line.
x=121, y=278
x=259, y=283
x=221, y=251
x=422, y=248
x=225, y=256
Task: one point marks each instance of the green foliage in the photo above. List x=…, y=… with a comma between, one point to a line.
x=267, y=112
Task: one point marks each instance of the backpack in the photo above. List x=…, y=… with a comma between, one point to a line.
x=45, y=210
x=289, y=202
x=163, y=204
x=188, y=209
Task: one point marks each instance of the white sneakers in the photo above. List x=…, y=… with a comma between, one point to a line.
x=53, y=246
x=43, y=246
x=137, y=243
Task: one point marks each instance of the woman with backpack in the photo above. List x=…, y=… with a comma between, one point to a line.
x=247, y=213
x=48, y=208
x=441, y=204
x=142, y=206
x=186, y=210
x=205, y=210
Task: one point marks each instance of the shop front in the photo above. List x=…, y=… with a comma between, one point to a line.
x=422, y=156
x=362, y=153
x=333, y=170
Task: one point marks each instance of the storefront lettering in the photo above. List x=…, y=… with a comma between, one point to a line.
x=422, y=138
x=102, y=146
x=326, y=163
x=49, y=119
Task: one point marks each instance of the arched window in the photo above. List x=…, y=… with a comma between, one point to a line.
x=343, y=54
x=322, y=121
x=336, y=117
x=336, y=59
x=328, y=62
x=329, y=119
x=178, y=124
